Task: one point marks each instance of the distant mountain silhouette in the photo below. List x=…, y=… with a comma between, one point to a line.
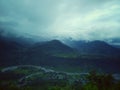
x=9, y=51
x=116, y=46
x=53, y=47
x=97, y=54
x=47, y=53
x=94, y=47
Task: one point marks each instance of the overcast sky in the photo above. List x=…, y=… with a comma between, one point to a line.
x=78, y=19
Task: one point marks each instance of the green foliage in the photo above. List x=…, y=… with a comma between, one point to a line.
x=94, y=81
x=68, y=87
x=100, y=82
x=90, y=87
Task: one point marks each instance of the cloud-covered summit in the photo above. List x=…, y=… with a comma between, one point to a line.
x=78, y=19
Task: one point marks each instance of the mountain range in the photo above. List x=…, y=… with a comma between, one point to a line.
x=94, y=47
x=84, y=54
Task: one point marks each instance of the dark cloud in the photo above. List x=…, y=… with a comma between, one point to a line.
x=79, y=19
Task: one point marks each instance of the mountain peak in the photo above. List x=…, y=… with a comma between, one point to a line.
x=55, y=42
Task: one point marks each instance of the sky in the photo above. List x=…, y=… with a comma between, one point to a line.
x=76, y=19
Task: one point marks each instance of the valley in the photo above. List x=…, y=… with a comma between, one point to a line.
x=54, y=65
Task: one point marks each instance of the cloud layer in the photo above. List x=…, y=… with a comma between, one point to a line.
x=78, y=19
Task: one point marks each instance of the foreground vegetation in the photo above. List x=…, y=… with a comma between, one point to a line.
x=93, y=81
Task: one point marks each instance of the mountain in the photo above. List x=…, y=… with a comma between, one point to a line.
x=53, y=47
x=81, y=54
x=50, y=53
x=11, y=48
x=115, y=42
x=14, y=51
x=117, y=46
x=9, y=51
x=95, y=47
x=6, y=45
x=17, y=38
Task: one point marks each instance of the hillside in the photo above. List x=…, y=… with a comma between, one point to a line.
x=53, y=47
x=82, y=57
x=94, y=47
